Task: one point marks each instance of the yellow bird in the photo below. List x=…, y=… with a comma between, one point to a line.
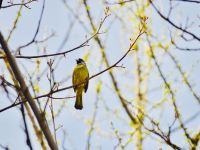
x=80, y=74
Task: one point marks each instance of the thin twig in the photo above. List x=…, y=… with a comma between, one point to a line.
x=28, y=140
x=37, y=30
x=173, y=24
x=19, y=4
x=189, y=1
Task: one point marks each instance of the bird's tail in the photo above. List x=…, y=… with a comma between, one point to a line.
x=78, y=103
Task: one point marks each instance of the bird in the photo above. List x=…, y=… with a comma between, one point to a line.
x=80, y=74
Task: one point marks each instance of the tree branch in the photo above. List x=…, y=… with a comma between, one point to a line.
x=71, y=86
x=23, y=87
x=1, y=1
x=28, y=140
x=173, y=24
x=189, y=1
x=18, y=4
x=37, y=30
x=97, y=39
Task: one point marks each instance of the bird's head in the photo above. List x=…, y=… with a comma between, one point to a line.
x=80, y=61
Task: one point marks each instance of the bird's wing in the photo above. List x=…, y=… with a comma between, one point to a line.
x=74, y=82
x=87, y=83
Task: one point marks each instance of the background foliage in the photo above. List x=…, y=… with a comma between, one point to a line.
x=147, y=96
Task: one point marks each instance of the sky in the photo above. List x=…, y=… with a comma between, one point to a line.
x=110, y=117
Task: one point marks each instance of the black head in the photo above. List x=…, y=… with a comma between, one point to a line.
x=80, y=61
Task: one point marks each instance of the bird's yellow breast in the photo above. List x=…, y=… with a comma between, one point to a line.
x=80, y=74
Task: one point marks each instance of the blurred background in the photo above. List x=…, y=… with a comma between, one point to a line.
x=150, y=100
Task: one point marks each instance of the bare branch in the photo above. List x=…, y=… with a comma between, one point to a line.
x=85, y=43
x=28, y=140
x=24, y=89
x=1, y=1
x=188, y=1
x=19, y=4
x=173, y=24
x=37, y=30
x=122, y=2
x=69, y=87
x=97, y=39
